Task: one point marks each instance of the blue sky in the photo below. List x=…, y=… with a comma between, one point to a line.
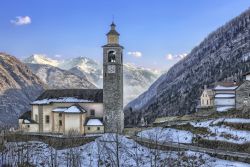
x=158, y=29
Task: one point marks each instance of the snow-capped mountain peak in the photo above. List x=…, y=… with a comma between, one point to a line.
x=41, y=59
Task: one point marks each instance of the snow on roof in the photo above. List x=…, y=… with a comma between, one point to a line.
x=61, y=100
x=59, y=109
x=225, y=95
x=72, y=109
x=26, y=121
x=94, y=122
x=219, y=87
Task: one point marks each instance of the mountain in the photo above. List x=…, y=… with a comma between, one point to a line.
x=84, y=66
x=18, y=87
x=57, y=78
x=136, y=79
x=41, y=59
x=223, y=55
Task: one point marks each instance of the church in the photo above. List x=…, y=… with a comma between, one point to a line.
x=83, y=111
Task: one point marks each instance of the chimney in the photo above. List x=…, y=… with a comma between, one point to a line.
x=205, y=87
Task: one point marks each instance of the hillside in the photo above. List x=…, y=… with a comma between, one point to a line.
x=18, y=87
x=223, y=55
x=57, y=78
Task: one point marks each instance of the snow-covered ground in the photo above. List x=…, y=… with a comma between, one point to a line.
x=167, y=135
x=104, y=151
x=225, y=133
x=216, y=132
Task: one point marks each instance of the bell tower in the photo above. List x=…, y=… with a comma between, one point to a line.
x=113, y=82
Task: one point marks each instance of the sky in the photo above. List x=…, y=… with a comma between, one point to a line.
x=155, y=33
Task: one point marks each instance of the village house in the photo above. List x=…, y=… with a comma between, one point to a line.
x=224, y=96
x=243, y=93
x=207, y=98
x=83, y=111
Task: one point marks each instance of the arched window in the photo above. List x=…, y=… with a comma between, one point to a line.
x=111, y=56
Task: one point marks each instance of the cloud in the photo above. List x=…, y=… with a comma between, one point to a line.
x=135, y=54
x=175, y=57
x=21, y=20
x=169, y=57
x=58, y=56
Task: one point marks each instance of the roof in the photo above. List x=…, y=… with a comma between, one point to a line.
x=70, y=96
x=226, y=86
x=210, y=92
x=113, y=32
x=247, y=73
x=94, y=122
x=219, y=87
x=27, y=118
x=225, y=95
x=113, y=45
x=25, y=115
x=71, y=109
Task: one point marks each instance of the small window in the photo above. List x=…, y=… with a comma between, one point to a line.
x=36, y=118
x=92, y=112
x=60, y=114
x=47, y=119
x=111, y=56
x=28, y=126
x=60, y=122
x=98, y=128
x=88, y=128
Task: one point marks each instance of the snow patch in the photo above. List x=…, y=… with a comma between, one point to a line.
x=167, y=135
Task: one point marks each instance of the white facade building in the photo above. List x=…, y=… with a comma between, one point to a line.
x=224, y=98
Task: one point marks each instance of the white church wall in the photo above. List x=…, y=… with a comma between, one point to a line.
x=72, y=122
x=34, y=113
x=47, y=127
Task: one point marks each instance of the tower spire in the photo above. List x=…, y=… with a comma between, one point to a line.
x=113, y=35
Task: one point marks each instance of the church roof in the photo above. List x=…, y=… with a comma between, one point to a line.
x=72, y=109
x=113, y=32
x=70, y=96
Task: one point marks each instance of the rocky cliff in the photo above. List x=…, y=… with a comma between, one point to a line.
x=18, y=87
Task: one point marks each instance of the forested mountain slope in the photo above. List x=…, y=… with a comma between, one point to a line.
x=223, y=55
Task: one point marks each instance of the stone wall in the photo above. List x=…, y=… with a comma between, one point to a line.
x=243, y=96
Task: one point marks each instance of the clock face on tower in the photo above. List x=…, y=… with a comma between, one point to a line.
x=111, y=68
